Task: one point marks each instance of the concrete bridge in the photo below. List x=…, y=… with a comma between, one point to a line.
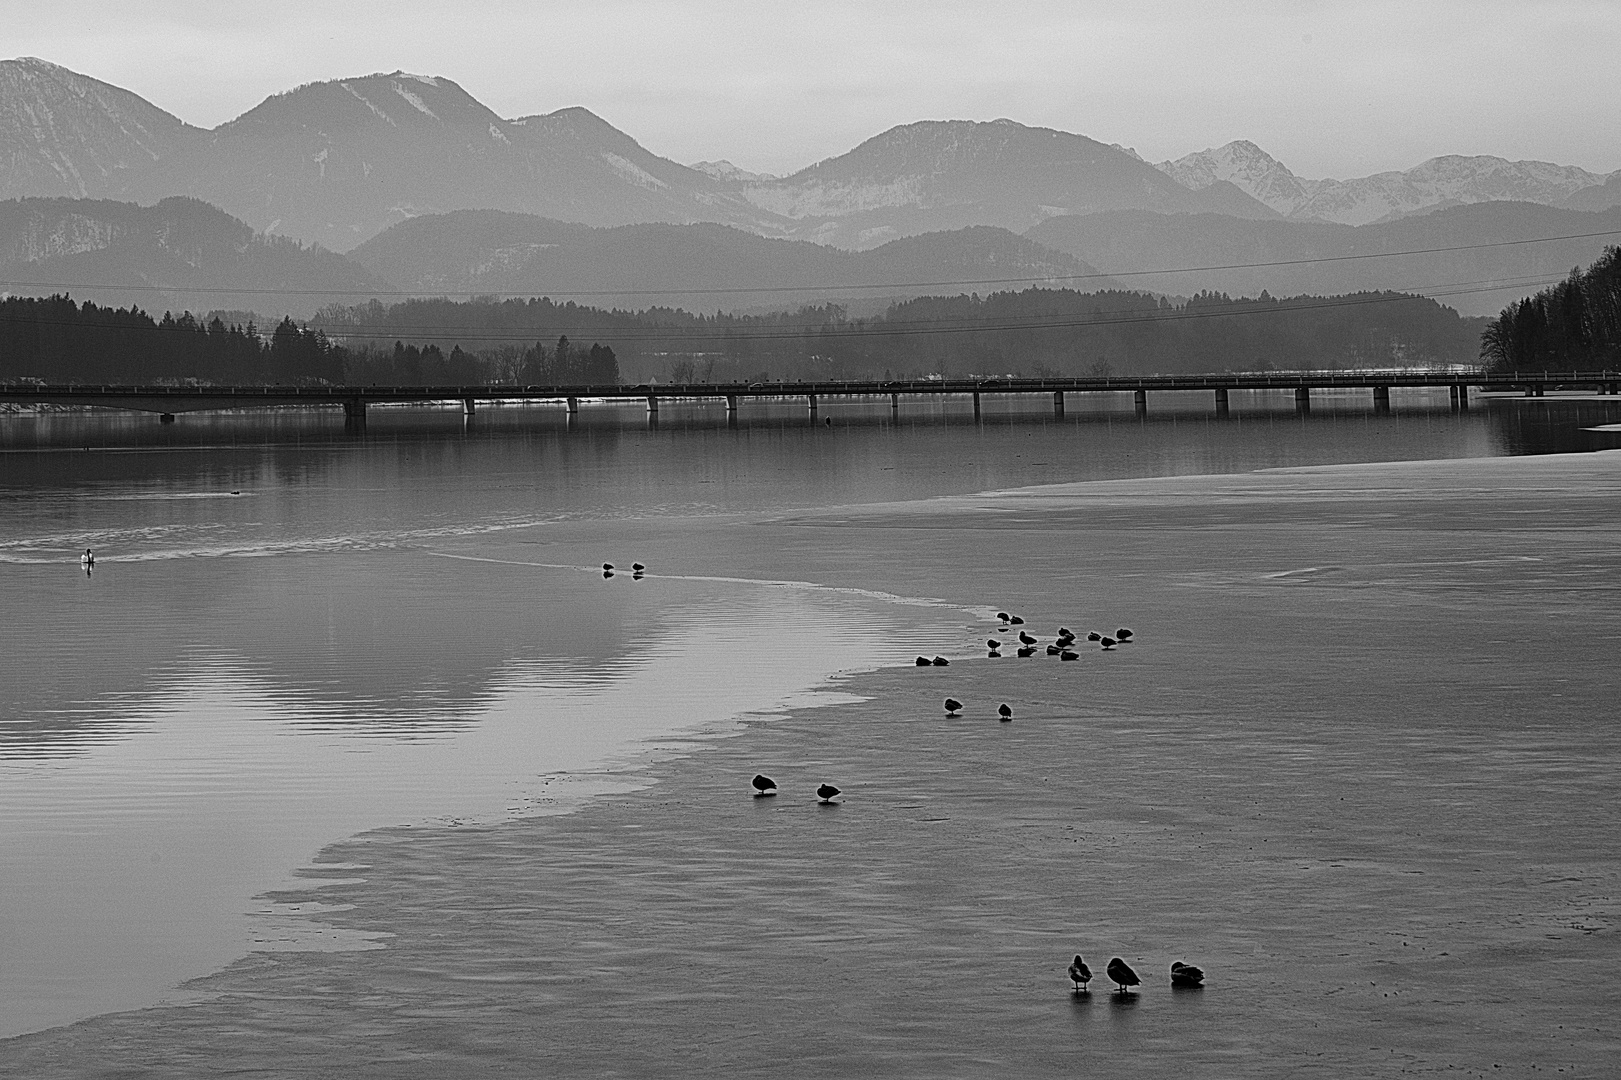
x=167, y=401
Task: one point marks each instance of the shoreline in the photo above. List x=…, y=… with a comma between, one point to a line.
x=922, y=927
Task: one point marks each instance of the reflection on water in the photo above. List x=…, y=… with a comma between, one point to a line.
x=272, y=652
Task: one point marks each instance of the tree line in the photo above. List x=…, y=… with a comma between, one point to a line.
x=1034, y=332
x=1575, y=324
x=55, y=340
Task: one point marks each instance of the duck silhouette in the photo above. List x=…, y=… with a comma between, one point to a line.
x=1005, y=711
x=953, y=706
x=1054, y=649
x=1068, y=655
x=1004, y=616
x=763, y=785
x=1079, y=973
x=637, y=567
x=607, y=566
x=1093, y=635
x=1026, y=639
x=1121, y=975
x=1016, y=621
x=1028, y=650
x=992, y=643
x=88, y=558
x=940, y=661
x=1123, y=634
x=1186, y=975
x=923, y=661
x=1108, y=643
x=825, y=793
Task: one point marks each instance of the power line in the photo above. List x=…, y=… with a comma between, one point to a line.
x=758, y=289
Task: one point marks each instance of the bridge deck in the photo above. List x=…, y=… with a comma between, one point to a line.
x=174, y=399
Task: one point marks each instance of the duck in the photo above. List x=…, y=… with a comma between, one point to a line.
x=1016, y=621
x=1004, y=616
x=1026, y=639
x=1186, y=975
x=923, y=661
x=637, y=567
x=825, y=793
x=1054, y=650
x=1093, y=635
x=1108, y=643
x=88, y=558
x=992, y=643
x=763, y=785
x=607, y=566
x=953, y=706
x=1121, y=975
x=1064, y=631
x=1123, y=634
x=1005, y=711
x=940, y=661
x=1069, y=655
x=1079, y=973
x=1028, y=651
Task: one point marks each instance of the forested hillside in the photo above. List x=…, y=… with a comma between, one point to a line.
x=1575, y=325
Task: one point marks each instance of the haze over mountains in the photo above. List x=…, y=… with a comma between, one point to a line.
x=388, y=167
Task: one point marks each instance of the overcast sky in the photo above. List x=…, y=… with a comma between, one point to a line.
x=1340, y=89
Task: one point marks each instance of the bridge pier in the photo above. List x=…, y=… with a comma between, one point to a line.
x=731, y=404
x=1381, y=399
x=976, y=404
x=467, y=406
x=894, y=403
x=166, y=418
x=572, y=404
x=1058, y=404
x=1302, y=399
x=354, y=415
x=1221, y=401
x=652, y=405
x=1139, y=399
x=812, y=404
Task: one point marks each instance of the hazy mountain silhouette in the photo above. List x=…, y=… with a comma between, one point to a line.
x=338, y=162
x=699, y=267
x=1450, y=180
x=181, y=254
x=1126, y=242
x=1599, y=197
x=947, y=174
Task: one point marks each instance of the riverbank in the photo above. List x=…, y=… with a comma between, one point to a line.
x=1359, y=765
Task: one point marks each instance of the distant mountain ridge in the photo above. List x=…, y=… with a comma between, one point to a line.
x=699, y=267
x=1450, y=180
x=1486, y=268
x=180, y=254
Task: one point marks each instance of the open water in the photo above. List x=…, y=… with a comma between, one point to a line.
x=293, y=634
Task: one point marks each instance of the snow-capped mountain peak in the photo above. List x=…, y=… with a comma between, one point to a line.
x=1248, y=168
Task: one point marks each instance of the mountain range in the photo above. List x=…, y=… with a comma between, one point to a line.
x=338, y=162
x=1435, y=184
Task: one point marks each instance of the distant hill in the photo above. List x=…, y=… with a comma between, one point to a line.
x=181, y=254
x=1451, y=180
x=1127, y=243
x=948, y=174
x=701, y=267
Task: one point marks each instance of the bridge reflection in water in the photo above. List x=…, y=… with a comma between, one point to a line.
x=169, y=400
